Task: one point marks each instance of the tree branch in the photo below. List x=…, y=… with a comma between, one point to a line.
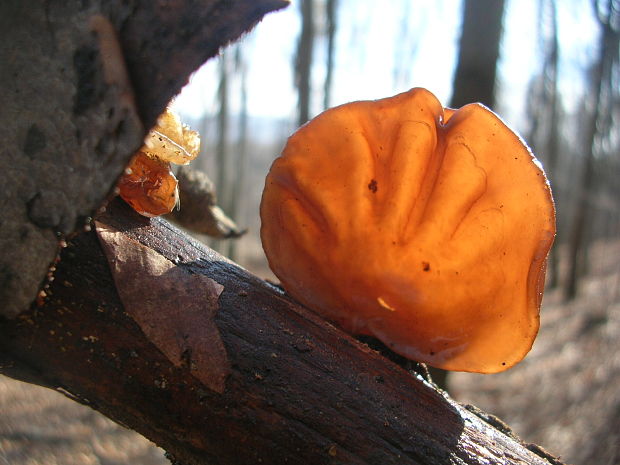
x=286, y=388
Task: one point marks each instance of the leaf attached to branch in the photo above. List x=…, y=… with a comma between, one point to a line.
x=174, y=308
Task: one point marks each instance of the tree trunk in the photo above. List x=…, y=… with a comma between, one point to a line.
x=474, y=79
x=601, y=78
x=331, y=15
x=222, y=181
x=240, y=375
x=303, y=60
x=543, y=111
x=553, y=138
x=241, y=147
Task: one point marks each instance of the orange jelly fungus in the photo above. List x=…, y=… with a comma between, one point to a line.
x=425, y=227
x=148, y=184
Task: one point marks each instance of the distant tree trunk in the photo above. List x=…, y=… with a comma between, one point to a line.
x=303, y=61
x=221, y=149
x=241, y=148
x=543, y=110
x=552, y=145
x=474, y=79
x=222, y=124
x=331, y=15
x=601, y=85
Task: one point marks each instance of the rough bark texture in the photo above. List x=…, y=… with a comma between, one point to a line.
x=81, y=80
x=297, y=390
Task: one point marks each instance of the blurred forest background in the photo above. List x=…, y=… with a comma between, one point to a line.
x=550, y=68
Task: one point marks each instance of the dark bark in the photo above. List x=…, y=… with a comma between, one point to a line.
x=80, y=83
x=474, y=79
x=287, y=387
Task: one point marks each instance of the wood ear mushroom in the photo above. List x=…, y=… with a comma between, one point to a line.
x=425, y=227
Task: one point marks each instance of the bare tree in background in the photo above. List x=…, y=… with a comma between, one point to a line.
x=331, y=16
x=223, y=128
x=474, y=79
x=241, y=146
x=543, y=110
x=230, y=139
x=603, y=81
x=303, y=60
x=221, y=150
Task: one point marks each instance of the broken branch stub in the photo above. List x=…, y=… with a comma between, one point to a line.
x=199, y=211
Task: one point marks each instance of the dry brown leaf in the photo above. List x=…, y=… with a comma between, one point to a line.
x=174, y=308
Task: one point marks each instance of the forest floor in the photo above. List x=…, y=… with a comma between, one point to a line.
x=565, y=396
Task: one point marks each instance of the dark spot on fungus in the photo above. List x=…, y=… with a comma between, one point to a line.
x=426, y=266
x=372, y=185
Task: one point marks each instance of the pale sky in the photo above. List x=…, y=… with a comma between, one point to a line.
x=370, y=42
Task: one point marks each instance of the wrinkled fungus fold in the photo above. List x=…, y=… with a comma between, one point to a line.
x=425, y=227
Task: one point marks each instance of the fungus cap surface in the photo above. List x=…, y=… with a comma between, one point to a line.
x=425, y=227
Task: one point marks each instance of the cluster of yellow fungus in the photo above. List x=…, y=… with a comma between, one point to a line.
x=148, y=184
